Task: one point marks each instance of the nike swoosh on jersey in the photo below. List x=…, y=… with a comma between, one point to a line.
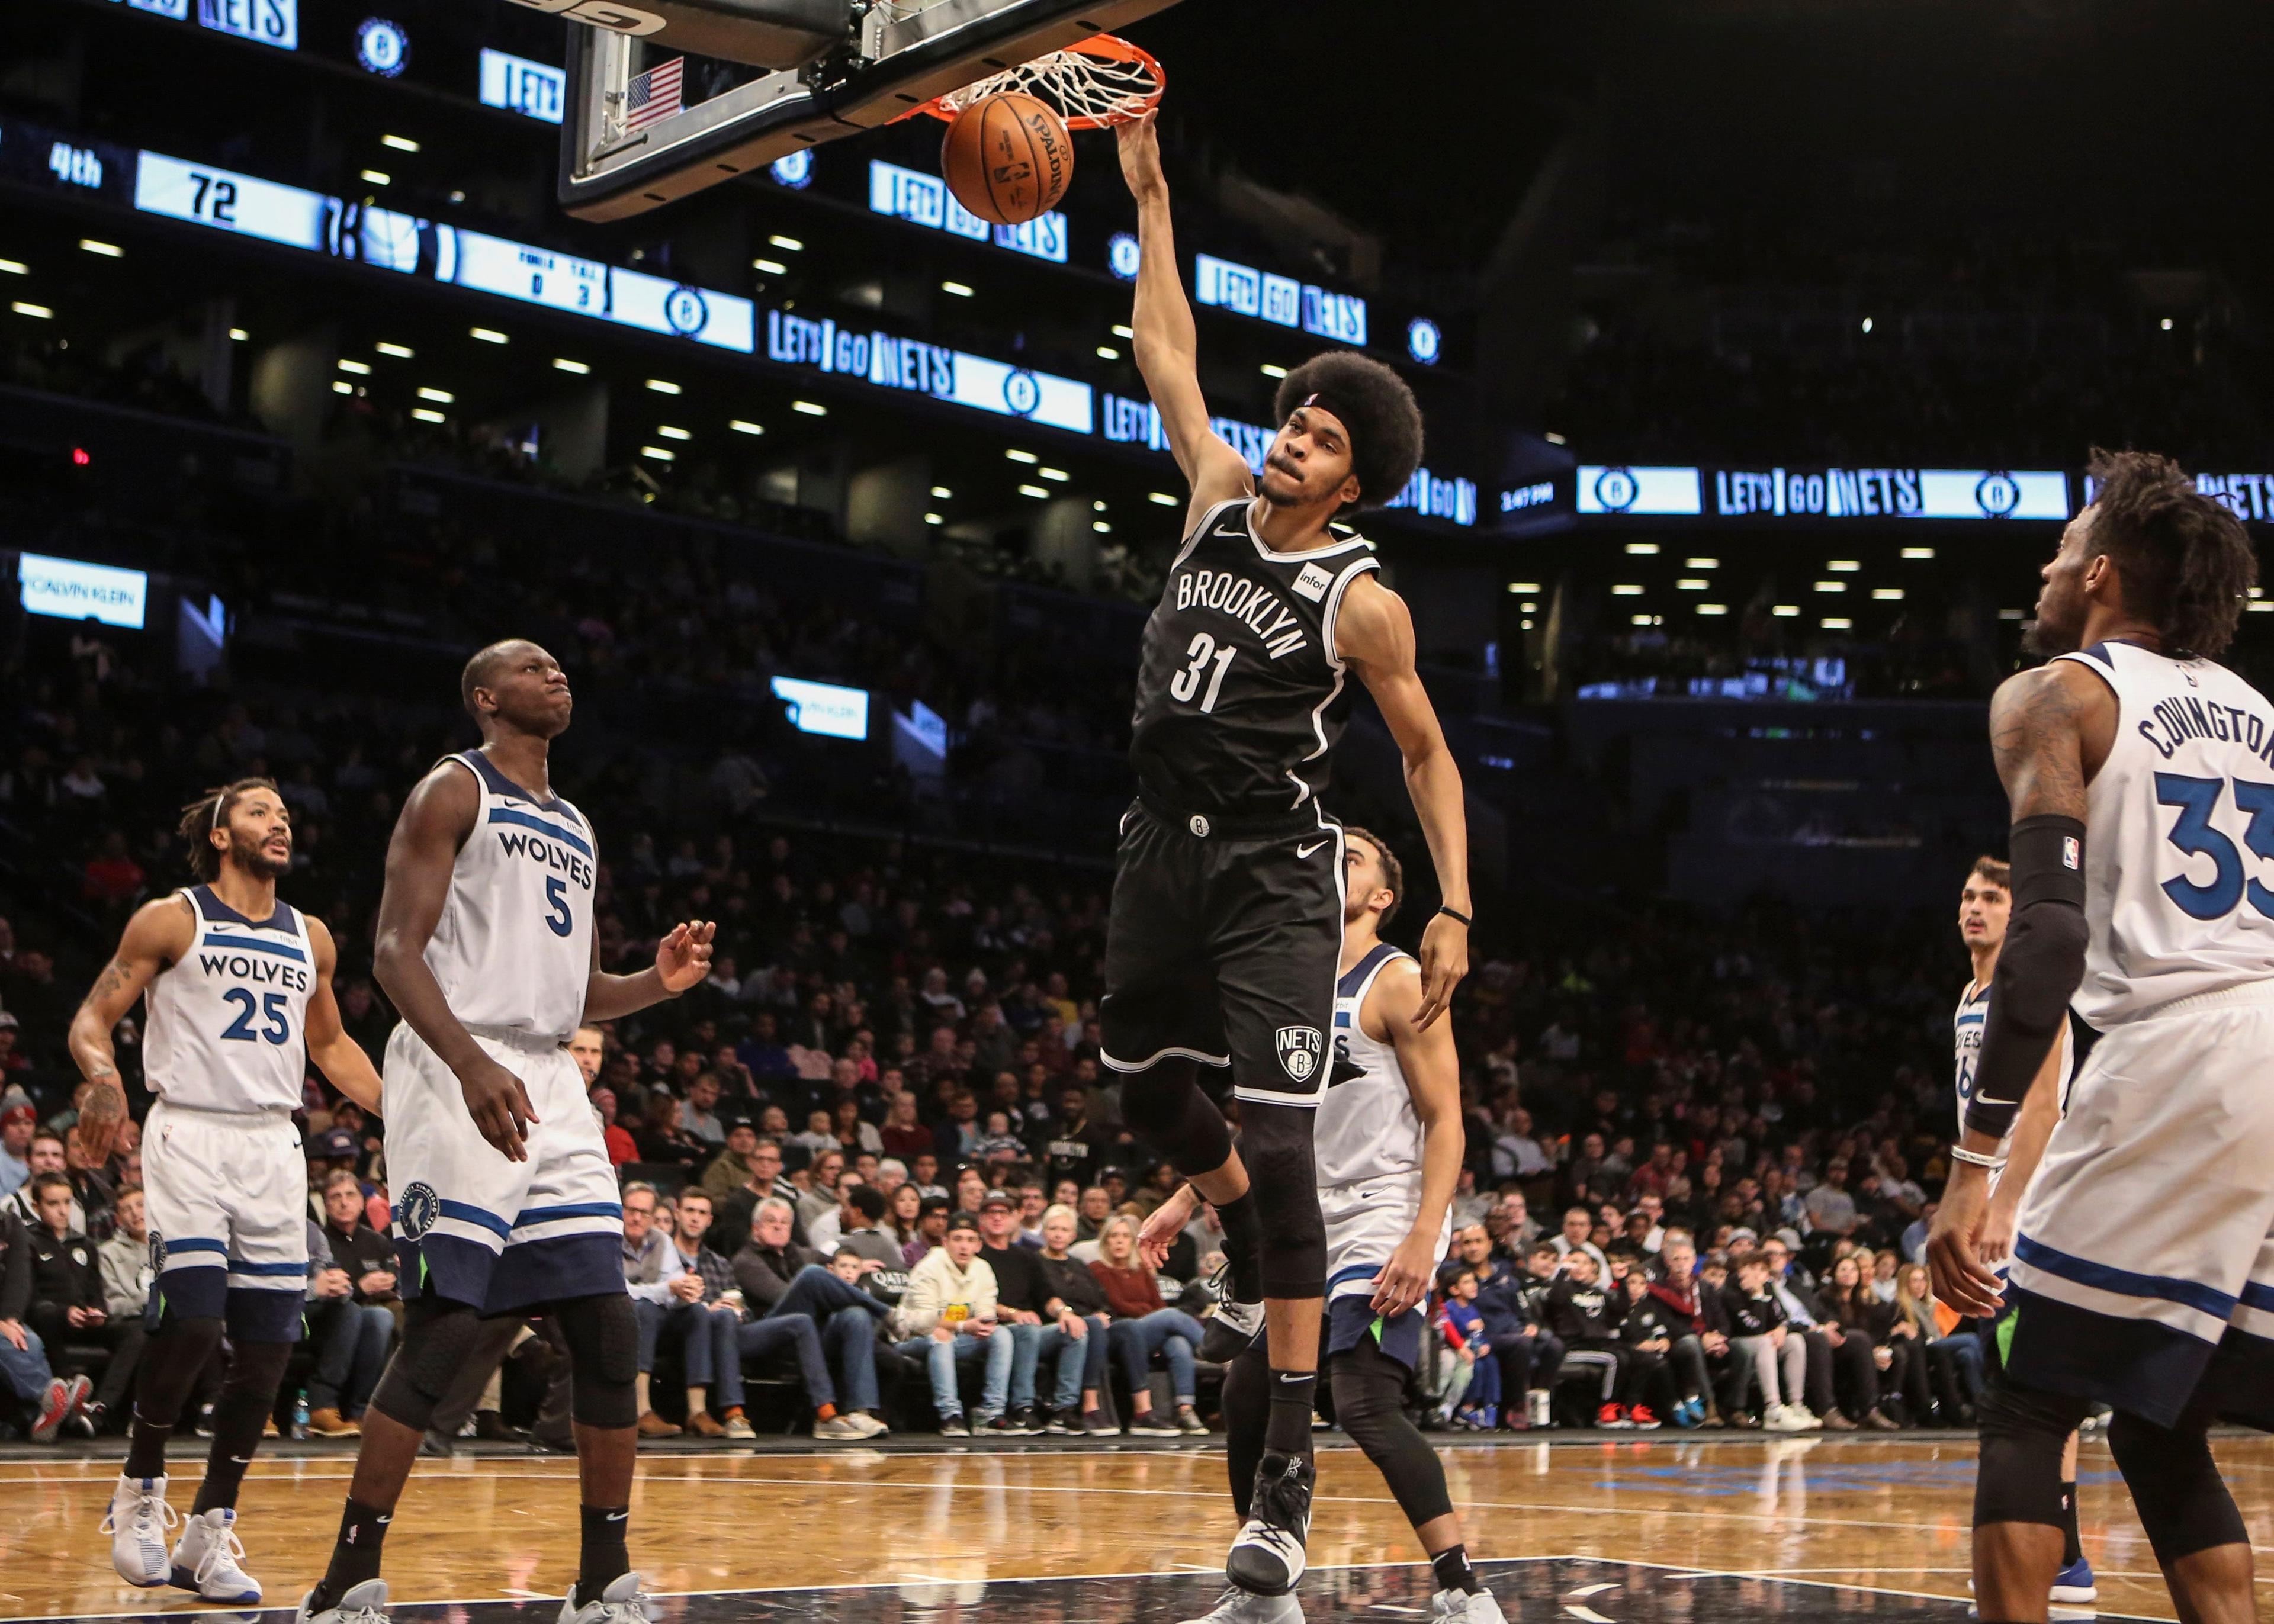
x=1305, y=851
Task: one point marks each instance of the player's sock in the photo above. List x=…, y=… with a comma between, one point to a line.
x=2072, y=1551
x=1454, y=1571
x=1294, y=1395
x=1242, y=1246
x=145, y=1448
x=602, y=1558
x=355, y=1555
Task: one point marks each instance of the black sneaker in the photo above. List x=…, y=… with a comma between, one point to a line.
x=1268, y=1558
x=1029, y=1423
x=1062, y=1424
x=954, y=1426
x=1006, y=1425
x=1150, y=1425
x=1095, y=1424
x=1189, y=1422
x=1229, y=1331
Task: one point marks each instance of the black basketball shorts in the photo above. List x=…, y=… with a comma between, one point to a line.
x=1222, y=947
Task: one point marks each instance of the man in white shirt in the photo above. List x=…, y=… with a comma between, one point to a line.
x=1578, y=1224
x=949, y=1316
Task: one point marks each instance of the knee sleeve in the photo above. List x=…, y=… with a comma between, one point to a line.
x=172, y=1364
x=1164, y=1107
x=2182, y=1501
x=439, y=1337
x=1369, y=1390
x=602, y=1336
x=2023, y=1433
x=1274, y=1141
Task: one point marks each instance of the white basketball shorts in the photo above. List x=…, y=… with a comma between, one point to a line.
x=2143, y=1271
x=226, y=1192
x=475, y=1227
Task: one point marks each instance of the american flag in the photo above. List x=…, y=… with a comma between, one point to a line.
x=654, y=94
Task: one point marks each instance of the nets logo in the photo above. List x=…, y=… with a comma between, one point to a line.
x=1616, y=489
x=1996, y=494
x=1298, y=1051
x=417, y=1209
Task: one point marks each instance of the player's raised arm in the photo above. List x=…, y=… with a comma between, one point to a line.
x=337, y=1055
x=1432, y=1069
x=436, y=821
x=159, y=933
x=682, y=959
x=1167, y=343
x=1375, y=633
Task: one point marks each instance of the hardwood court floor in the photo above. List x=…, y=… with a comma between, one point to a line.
x=1666, y=1527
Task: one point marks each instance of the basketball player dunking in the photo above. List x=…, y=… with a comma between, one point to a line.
x=2141, y=777
x=505, y=1201
x=1227, y=910
x=1985, y=905
x=1389, y=1149
x=240, y=989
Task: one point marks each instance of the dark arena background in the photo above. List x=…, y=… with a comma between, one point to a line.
x=1762, y=346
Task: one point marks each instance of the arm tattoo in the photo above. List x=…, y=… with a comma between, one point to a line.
x=114, y=976
x=2035, y=733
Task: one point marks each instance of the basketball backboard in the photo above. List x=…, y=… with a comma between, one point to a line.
x=830, y=68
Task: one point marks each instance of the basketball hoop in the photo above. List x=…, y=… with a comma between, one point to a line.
x=1102, y=81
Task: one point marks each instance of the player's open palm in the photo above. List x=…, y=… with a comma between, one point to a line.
x=683, y=957
x=1444, y=963
x=500, y=1107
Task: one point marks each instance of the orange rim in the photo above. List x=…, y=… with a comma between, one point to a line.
x=1092, y=85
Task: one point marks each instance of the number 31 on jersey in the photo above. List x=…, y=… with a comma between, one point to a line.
x=1200, y=655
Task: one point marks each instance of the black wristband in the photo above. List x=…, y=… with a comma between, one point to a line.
x=1454, y=913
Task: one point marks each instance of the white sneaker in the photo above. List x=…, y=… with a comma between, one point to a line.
x=870, y=1427
x=1239, y=1607
x=1785, y=1418
x=208, y=1560
x=621, y=1603
x=136, y=1524
x=364, y=1604
x=1461, y=1607
x=837, y=1429
x=1810, y=1421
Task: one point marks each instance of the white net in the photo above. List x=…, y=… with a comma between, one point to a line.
x=1087, y=89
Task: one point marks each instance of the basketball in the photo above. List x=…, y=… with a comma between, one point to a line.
x=1008, y=157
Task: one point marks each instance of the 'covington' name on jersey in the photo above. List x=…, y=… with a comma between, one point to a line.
x=1240, y=668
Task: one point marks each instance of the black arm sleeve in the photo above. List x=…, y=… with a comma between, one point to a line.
x=2039, y=967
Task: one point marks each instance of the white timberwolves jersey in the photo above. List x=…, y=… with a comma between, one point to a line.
x=227, y=1022
x=512, y=949
x=1366, y=1128
x=2180, y=864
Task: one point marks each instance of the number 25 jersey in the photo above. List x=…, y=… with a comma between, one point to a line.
x=512, y=949
x=2179, y=857
x=1240, y=668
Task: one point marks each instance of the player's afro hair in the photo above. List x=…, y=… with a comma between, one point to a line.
x=2185, y=560
x=1374, y=405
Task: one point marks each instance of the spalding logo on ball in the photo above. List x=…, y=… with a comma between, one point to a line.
x=1007, y=158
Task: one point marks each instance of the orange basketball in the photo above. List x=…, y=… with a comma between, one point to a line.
x=1008, y=157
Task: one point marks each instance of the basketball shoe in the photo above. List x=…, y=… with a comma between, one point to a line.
x=136, y=1524
x=1268, y=1558
x=364, y=1604
x=1239, y=1607
x=207, y=1559
x=1233, y=1326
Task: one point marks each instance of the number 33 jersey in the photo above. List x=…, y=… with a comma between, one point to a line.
x=1240, y=668
x=512, y=949
x=2180, y=857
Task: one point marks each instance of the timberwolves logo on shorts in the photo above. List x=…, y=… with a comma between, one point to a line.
x=415, y=1212
x=1298, y=1051
x=157, y=1254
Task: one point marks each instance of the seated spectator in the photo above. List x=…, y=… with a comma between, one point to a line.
x=42, y=1401
x=932, y=1214
x=860, y=1230
x=67, y=1306
x=1040, y=1324
x=1649, y=1332
x=1779, y=1357
x=781, y=1280
x=853, y=1134
x=125, y=1258
x=621, y=1146
x=1857, y=1315
x=717, y=1360
x=17, y=1123
x=1142, y=1325
x=1692, y=1344
x=949, y=1316
x=44, y=1154
x=903, y=1203
x=1578, y=1228
x=816, y=1136
x=698, y=1113
x=819, y=1197
x=1585, y=1312
x=662, y=1142
x=735, y=1210
x=664, y=1296
x=730, y=1171
x=1069, y=1280
x=1463, y=1328
x=1833, y=1356
x=1953, y=1361
x=356, y=1330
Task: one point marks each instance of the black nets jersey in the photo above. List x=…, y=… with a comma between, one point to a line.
x=1238, y=671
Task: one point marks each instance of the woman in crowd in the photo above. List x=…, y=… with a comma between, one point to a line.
x=662, y=1140
x=902, y=1135
x=1142, y=1326
x=970, y=1188
x=1954, y=1363
x=1066, y=1277
x=1856, y=1312
x=901, y=1213
x=853, y=1135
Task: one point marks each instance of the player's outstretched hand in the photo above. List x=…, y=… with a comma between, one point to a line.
x=500, y=1107
x=1159, y=1233
x=1141, y=157
x=1404, y=1280
x=683, y=957
x=1444, y=962
x=1953, y=1260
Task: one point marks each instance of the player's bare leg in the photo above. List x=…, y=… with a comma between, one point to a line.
x=2014, y=1563
x=2214, y=1586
